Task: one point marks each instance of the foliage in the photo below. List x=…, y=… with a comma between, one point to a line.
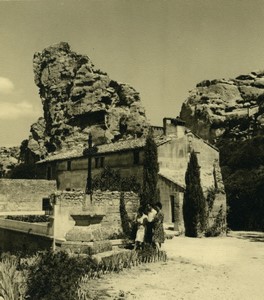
x=149, y=254
x=23, y=171
x=219, y=225
x=12, y=282
x=150, y=193
x=194, y=203
x=48, y=275
x=56, y=276
x=210, y=198
x=243, y=174
x=110, y=179
x=116, y=263
x=30, y=218
x=125, y=220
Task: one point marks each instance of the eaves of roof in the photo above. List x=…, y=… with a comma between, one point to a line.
x=103, y=149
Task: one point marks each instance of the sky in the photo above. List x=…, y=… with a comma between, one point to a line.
x=161, y=48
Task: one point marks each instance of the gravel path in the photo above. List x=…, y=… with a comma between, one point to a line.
x=209, y=268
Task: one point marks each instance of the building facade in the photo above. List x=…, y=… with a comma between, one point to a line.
x=174, y=142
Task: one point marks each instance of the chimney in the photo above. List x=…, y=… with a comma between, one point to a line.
x=174, y=127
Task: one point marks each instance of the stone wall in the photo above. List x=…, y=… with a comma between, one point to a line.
x=24, y=194
x=13, y=241
x=79, y=217
x=171, y=197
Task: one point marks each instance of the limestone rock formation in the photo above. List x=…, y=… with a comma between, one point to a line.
x=77, y=99
x=232, y=108
x=9, y=157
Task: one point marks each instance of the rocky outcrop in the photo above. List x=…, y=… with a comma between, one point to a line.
x=78, y=99
x=9, y=157
x=232, y=108
x=230, y=114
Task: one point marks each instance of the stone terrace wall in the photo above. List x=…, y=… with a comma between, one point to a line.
x=24, y=194
x=103, y=211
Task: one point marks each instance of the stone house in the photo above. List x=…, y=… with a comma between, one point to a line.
x=174, y=141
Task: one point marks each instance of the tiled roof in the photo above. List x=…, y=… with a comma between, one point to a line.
x=105, y=148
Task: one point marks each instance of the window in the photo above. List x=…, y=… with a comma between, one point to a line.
x=96, y=162
x=172, y=202
x=102, y=162
x=99, y=162
x=136, y=157
x=68, y=165
x=46, y=206
x=49, y=173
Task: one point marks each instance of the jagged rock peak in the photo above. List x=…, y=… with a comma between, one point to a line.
x=77, y=99
x=230, y=108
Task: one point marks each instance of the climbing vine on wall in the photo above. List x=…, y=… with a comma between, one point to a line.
x=110, y=179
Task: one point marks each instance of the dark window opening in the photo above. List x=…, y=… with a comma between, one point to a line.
x=99, y=162
x=96, y=162
x=172, y=202
x=49, y=173
x=69, y=165
x=136, y=157
x=46, y=205
x=102, y=162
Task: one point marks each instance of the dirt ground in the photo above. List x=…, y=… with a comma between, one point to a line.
x=229, y=267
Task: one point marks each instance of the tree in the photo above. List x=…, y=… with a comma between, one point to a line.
x=23, y=171
x=194, y=203
x=150, y=193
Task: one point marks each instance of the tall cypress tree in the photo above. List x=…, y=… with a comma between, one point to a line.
x=150, y=193
x=194, y=205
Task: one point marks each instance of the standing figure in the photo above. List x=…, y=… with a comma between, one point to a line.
x=141, y=220
x=151, y=212
x=158, y=229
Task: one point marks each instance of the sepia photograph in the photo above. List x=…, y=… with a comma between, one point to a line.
x=131, y=150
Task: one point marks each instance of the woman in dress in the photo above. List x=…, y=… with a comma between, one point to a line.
x=141, y=220
x=158, y=229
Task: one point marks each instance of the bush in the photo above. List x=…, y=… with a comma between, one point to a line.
x=125, y=221
x=30, y=218
x=219, y=225
x=243, y=175
x=56, y=276
x=12, y=282
x=23, y=171
x=111, y=180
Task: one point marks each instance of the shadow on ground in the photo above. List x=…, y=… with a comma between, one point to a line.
x=247, y=235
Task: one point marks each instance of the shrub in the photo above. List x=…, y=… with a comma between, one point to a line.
x=23, y=171
x=219, y=225
x=112, y=180
x=56, y=276
x=30, y=218
x=125, y=221
x=12, y=282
